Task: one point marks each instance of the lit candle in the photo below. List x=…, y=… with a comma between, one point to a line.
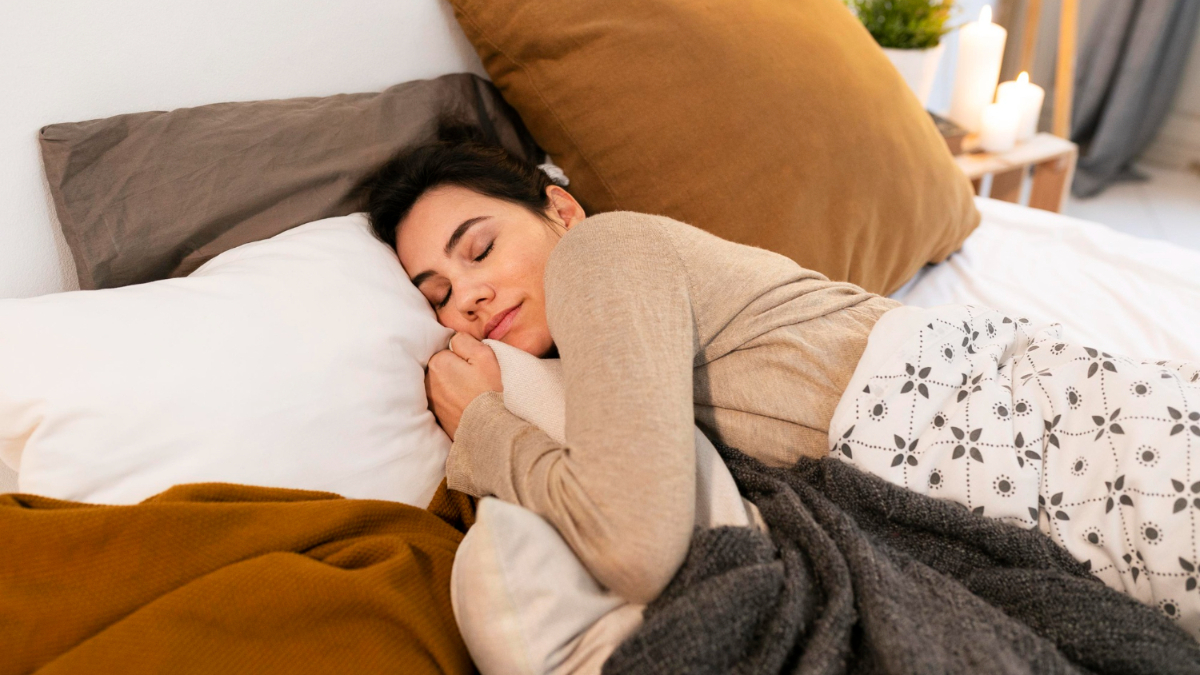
x=1026, y=97
x=998, y=127
x=980, y=50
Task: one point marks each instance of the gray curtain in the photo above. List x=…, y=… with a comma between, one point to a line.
x=1128, y=71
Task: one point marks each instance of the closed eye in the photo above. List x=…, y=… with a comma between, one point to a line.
x=446, y=299
x=485, y=253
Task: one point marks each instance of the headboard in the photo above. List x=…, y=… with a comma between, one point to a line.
x=73, y=60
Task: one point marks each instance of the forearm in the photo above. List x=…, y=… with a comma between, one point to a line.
x=624, y=521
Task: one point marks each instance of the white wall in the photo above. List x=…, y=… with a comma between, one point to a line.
x=73, y=60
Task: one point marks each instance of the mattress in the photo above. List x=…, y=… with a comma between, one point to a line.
x=1125, y=295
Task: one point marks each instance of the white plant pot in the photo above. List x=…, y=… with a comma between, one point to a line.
x=918, y=67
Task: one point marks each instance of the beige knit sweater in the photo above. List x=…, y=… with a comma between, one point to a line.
x=660, y=326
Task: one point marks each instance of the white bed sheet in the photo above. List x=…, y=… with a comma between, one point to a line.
x=1125, y=295
x=1122, y=294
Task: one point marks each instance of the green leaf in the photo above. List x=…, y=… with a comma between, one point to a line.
x=904, y=24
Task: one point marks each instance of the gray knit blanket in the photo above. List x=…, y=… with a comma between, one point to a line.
x=861, y=576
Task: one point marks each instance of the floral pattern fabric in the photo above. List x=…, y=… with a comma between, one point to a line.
x=1011, y=420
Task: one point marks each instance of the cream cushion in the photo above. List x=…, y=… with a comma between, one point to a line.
x=295, y=361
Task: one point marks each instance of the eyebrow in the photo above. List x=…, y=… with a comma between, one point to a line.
x=458, y=234
x=460, y=231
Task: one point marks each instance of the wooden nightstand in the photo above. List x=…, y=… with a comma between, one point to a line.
x=1049, y=162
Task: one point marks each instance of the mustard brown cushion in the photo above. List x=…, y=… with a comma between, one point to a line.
x=774, y=123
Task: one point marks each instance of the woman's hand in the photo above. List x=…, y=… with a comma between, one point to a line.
x=456, y=376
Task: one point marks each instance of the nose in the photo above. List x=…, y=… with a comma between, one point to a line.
x=474, y=296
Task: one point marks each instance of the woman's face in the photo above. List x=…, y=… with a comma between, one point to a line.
x=481, y=261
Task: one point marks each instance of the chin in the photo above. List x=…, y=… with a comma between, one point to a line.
x=538, y=347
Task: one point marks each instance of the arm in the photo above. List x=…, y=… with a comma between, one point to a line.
x=621, y=491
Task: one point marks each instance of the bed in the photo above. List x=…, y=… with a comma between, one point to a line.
x=1109, y=290
x=1127, y=295
x=1120, y=293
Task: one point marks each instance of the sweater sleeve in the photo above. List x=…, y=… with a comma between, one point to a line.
x=621, y=490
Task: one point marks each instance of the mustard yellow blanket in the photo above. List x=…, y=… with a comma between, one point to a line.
x=216, y=578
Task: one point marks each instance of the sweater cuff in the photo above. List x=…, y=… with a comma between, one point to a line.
x=479, y=459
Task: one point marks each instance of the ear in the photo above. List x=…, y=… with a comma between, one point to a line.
x=564, y=207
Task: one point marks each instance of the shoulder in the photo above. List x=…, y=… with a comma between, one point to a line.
x=615, y=228
x=619, y=239
x=614, y=254
x=622, y=238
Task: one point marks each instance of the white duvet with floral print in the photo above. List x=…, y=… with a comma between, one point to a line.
x=1013, y=421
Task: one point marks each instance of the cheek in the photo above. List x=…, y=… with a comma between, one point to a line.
x=537, y=337
x=533, y=271
x=521, y=275
x=452, y=319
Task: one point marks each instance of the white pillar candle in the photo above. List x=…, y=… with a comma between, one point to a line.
x=1026, y=97
x=998, y=127
x=980, y=50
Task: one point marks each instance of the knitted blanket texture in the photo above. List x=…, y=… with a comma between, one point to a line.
x=861, y=576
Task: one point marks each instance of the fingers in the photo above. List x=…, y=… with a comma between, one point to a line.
x=453, y=380
x=442, y=359
x=468, y=348
x=470, y=366
x=448, y=370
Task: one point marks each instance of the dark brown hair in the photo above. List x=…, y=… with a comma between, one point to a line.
x=461, y=156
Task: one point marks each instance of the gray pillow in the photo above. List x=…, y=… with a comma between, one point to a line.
x=153, y=195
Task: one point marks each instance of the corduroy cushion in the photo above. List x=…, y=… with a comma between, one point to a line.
x=774, y=123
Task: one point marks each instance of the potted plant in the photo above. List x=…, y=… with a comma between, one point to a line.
x=910, y=32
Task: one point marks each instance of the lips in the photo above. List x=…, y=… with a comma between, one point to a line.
x=499, y=325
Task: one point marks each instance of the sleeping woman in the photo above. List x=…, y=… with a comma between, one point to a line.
x=659, y=325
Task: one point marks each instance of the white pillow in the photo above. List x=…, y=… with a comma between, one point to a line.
x=8, y=479
x=525, y=605
x=291, y=362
